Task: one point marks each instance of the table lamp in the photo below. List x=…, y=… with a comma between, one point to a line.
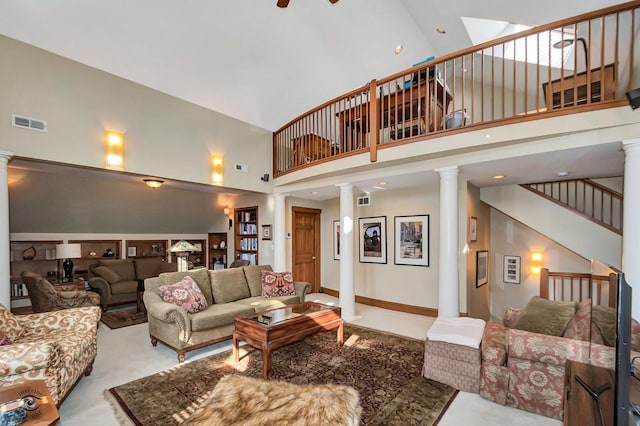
x=181, y=249
x=68, y=252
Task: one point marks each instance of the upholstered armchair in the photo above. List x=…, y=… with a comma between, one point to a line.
x=45, y=297
x=58, y=347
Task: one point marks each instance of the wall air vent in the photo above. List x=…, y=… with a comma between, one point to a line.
x=28, y=123
x=241, y=168
x=364, y=200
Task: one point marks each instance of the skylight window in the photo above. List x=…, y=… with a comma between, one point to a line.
x=534, y=49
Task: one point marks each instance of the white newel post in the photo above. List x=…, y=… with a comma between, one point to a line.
x=279, y=232
x=448, y=265
x=631, y=233
x=347, y=286
x=5, y=278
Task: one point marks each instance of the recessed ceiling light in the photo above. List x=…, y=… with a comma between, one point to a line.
x=382, y=183
x=398, y=49
x=441, y=30
x=562, y=174
x=488, y=136
x=498, y=177
x=314, y=192
x=464, y=70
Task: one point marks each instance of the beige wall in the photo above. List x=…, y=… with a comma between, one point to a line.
x=164, y=136
x=478, y=297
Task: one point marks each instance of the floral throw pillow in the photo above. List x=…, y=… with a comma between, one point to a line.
x=277, y=284
x=186, y=294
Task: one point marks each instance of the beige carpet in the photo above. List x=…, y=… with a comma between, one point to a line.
x=385, y=369
x=123, y=317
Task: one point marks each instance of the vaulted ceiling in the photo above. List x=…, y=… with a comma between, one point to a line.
x=252, y=60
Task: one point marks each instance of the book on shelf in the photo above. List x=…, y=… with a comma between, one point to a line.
x=251, y=257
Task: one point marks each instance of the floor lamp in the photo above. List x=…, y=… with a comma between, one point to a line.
x=181, y=250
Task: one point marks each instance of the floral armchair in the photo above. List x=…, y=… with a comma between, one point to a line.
x=45, y=297
x=57, y=347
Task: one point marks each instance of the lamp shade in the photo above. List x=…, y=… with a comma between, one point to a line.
x=68, y=251
x=182, y=246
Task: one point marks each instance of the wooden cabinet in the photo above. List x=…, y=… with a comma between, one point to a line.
x=195, y=259
x=246, y=234
x=560, y=92
x=31, y=256
x=217, y=245
x=146, y=248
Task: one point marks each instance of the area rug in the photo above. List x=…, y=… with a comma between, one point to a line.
x=384, y=368
x=123, y=317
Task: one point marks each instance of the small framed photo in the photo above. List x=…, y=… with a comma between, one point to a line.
x=482, y=268
x=511, y=272
x=473, y=229
x=266, y=232
x=412, y=240
x=336, y=240
x=373, y=239
x=198, y=246
x=132, y=251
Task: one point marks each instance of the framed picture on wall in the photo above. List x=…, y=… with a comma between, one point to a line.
x=473, y=229
x=336, y=240
x=411, y=238
x=482, y=267
x=266, y=232
x=373, y=239
x=132, y=251
x=511, y=271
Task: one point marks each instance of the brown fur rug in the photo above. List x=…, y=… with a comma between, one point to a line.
x=119, y=318
x=247, y=401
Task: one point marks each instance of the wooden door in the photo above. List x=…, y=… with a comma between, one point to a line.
x=306, y=246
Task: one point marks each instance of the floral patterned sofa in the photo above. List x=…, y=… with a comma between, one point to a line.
x=57, y=347
x=526, y=370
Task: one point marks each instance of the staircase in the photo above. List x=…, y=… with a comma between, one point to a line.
x=585, y=197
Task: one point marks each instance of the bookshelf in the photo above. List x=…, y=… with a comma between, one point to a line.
x=217, y=253
x=246, y=234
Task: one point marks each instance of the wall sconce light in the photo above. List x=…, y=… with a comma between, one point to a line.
x=217, y=169
x=153, y=183
x=536, y=262
x=227, y=213
x=115, y=149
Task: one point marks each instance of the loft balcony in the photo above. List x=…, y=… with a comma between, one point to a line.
x=579, y=64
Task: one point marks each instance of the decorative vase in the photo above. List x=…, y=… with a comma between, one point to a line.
x=29, y=254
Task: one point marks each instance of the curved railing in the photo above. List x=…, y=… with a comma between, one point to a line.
x=577, y=64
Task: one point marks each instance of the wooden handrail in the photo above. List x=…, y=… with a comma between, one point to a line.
x=577, y=286
x=510, y=79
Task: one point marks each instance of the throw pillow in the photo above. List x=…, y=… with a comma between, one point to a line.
x=604, y=318
x=579, y=326
x=545, y=316
x=277, y=284
x=185, y=294
x=108, y=274
x=4, y=340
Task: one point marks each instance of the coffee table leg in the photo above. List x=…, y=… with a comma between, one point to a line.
x=341, y=333
x=266, y=361
x=236, y=351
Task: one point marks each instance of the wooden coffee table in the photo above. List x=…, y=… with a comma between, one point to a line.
x=272, y=329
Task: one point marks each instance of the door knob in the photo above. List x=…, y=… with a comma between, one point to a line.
x=313, y=258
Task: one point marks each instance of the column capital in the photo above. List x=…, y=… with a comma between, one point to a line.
x=280, y=194
x=630, y=144
x=451, y=170
x=344, y=186
x=6, y=155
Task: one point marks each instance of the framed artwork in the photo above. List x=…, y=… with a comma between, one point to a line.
x=411, y=240
x=482, y=267
x=266, y=232
x=473, y=229
x=373, y=239
x=131, y=251
x=336, y=240
x=511, y=272
x=198, y=247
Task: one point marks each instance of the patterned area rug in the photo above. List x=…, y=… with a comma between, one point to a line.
x=385, y=369
x=123, y=317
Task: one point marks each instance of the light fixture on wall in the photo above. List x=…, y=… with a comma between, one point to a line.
x=68, y=252
x=566, y=42
x=182, y=249
x=153, y=183
x=536, y=262
x=227, y=213
x=217, y=169
x=115, y=149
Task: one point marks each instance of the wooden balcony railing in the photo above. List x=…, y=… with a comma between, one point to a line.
x=582, y=63
x=574, y=286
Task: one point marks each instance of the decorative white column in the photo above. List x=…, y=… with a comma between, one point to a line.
x=279, y=232
x=347, y=286
x=631, y=233
x=448, y=266
x=5, y=279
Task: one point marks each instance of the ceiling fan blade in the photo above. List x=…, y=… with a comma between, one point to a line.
x=283, y=3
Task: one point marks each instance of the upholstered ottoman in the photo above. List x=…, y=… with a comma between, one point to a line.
x=452, y=352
